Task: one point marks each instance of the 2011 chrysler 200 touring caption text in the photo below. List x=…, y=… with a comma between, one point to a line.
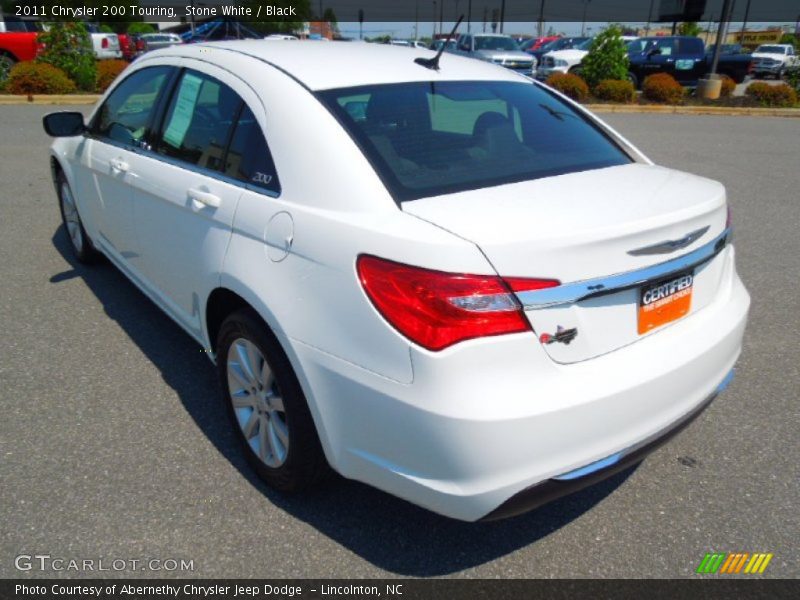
x=445, y=280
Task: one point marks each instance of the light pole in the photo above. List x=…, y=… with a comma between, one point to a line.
x=541, y=19
x=583, y=24
x=723, y=28
x=649, y=18
x=434, y=20
x=744, y=23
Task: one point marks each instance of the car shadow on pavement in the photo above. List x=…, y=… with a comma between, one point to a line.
x=388, y=532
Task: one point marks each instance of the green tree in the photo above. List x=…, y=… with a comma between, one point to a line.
x=607, y=58
x=790, y=38
x=689, y=28
x=140, y=27
x=68, y=46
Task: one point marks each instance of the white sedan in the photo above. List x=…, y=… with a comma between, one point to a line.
x=445, y=280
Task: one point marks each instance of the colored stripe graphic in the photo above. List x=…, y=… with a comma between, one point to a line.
x=711, y=562
x=733, y=562
x=758, y=563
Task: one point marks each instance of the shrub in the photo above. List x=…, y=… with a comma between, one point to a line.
x=662, y=87
x=607, y=58
x=792, y=77
x=570, y=85
x=615, y=90
x=107, y=72
x=782, y=95
x=728, y=85
x=29, y=77
x=68, y=46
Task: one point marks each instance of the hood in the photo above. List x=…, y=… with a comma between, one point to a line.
x=568, y=55
x=768, y=55
x=504, y=55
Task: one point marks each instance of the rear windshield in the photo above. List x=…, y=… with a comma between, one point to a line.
x=771, y=49
x=428, y=139
x=490, y=42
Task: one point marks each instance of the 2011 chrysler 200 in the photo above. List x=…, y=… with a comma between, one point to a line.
x=445, y=280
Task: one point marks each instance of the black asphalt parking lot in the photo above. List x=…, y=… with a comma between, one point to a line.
x=114, y=445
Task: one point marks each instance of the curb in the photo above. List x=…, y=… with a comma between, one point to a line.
x=87, y=99
x=695, y=110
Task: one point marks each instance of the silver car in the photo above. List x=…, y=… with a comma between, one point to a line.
x=496, y=48
x=154, y=41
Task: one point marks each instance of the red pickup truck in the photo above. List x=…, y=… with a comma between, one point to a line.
x=18, y=41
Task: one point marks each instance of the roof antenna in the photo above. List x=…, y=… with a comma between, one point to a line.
x=433, y=63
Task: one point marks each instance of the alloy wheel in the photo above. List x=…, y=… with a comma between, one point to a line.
x=71, y=218
x=257, y=403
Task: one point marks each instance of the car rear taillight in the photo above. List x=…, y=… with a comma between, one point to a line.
x=436, y=309
x=104, y=43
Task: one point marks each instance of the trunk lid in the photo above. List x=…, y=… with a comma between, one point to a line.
x=583, y=226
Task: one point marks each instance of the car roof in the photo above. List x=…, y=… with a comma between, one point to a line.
x=342, y=64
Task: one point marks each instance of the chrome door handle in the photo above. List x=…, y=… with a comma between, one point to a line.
x=206, y=198
x=119, y=165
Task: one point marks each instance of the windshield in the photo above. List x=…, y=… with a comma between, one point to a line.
x=771, y=49
x=490, y=42
x=428, y=139
x=584, y=45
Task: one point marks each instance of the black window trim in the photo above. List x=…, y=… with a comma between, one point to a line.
x=401, y=194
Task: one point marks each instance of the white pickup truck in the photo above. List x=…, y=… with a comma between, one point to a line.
x=774, y=59
x=104, y=45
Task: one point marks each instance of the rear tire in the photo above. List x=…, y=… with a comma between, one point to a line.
x=266, y=405
x=634, y=80
x=82, y=247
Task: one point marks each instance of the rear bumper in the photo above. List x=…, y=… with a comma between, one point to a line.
x=542, y=73
x=488, y=419
x=552, y=489
x=106, y=54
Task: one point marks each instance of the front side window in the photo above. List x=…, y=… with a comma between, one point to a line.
x=199, y=121
x=127, y=114
x=426, y=139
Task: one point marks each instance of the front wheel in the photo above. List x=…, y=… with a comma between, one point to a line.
x=266, y=405
x=79, y=242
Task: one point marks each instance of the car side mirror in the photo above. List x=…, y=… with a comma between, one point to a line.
x=64, y=124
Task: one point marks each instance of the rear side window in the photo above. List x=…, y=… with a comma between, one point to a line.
x=426, y=139
x=199, y=121
x=127, y=114
x=248, y=158
x=691, y=46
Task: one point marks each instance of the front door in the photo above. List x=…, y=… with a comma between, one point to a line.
x=119, y=130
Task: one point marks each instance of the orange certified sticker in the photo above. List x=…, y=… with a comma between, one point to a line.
x=665, y=301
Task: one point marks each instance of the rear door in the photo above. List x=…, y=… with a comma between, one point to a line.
x=183, y=210
x=690, y=61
